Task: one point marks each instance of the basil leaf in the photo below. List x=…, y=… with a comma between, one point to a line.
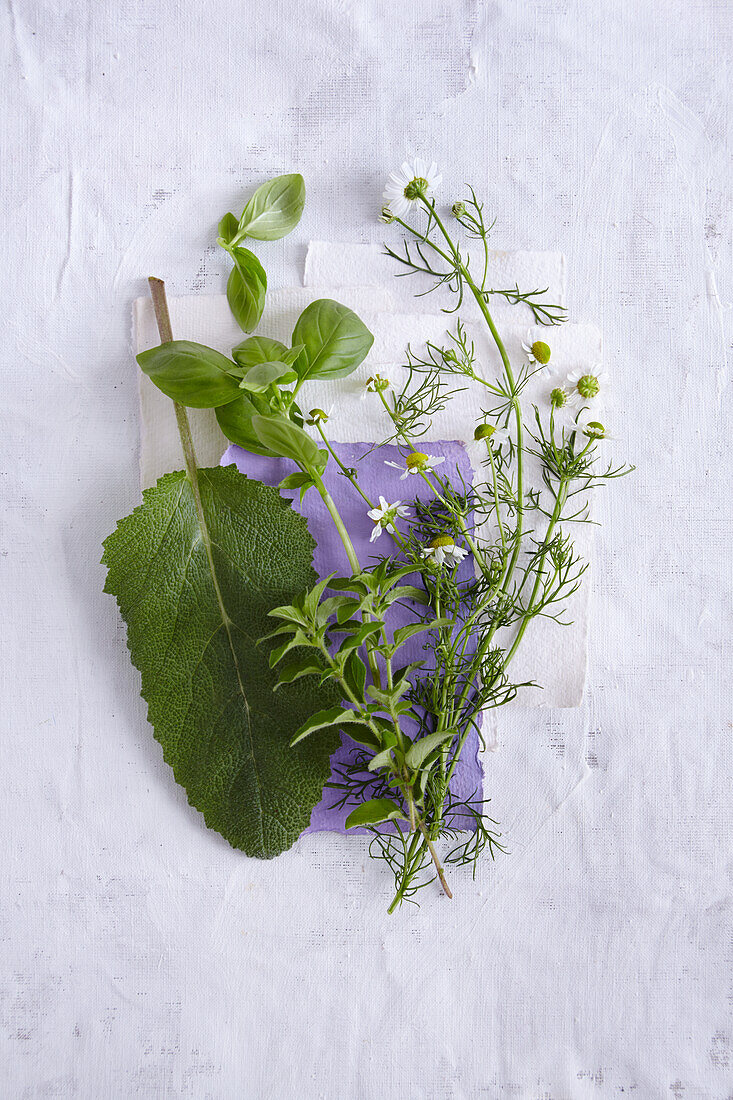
x=228, y=227
x=190, y=373
x=286, y=439
x=195, y=579
x=334, y=340
x=235, y=420
x=246, y=288
x=262, y=375
x=374, y=812
x=259, y=349
x=274, y=209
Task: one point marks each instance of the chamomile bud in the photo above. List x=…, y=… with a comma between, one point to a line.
x=458, y=209
x=594, y=430
x=560, y=398
x=386, y=216
x=493, y=435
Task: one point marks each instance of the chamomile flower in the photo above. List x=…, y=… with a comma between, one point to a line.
x=594, y=430
x=443, y=549
x=588, y=383
x=385, y=515
x=414, y=181
x=417, y=463
x=493, y=436
x=539, y=352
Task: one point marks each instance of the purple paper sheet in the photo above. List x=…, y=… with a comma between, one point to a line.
x=375, y=478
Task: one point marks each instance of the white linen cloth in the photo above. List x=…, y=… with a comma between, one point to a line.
x=140, y=956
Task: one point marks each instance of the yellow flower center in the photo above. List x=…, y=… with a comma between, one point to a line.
x=415, y=460
x=441, y=540
x=541, y=352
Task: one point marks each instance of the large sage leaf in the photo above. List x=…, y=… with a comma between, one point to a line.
x=274, y=209
x=335, y=341
x=195, y=570
x=190, y=373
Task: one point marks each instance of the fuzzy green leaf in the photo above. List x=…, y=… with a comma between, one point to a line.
x=420, y=750
x=374, y=812
x=195, y=586
x=331, y=718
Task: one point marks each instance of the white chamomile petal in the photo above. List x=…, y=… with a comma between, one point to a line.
x=414, y=181
x=527, y=349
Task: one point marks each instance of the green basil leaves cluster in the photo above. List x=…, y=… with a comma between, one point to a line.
x=255, y=392
x=273, y=211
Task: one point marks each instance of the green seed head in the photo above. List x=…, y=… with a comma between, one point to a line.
x=541, y=352
x=558, y=398
x=416, y=189
x=588, y=385
x=594, y=430
x=484, y=431
x=317, y=416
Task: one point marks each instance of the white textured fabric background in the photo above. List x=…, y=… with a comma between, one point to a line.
x=141, y=957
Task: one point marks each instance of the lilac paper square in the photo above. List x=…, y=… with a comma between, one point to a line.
x=375, y=477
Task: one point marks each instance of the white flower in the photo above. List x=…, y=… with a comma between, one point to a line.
x=538, y=352
x=417, y=463
x=594, y=430
x=443, y=548
x=493, y=436
x=588, y=383
x=385, y=515
x=412, y=182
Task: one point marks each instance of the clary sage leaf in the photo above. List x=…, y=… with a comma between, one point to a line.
x=246, y=288
x=275, y=208
x=195, y=570
x=190, y=373
x=335, y=341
